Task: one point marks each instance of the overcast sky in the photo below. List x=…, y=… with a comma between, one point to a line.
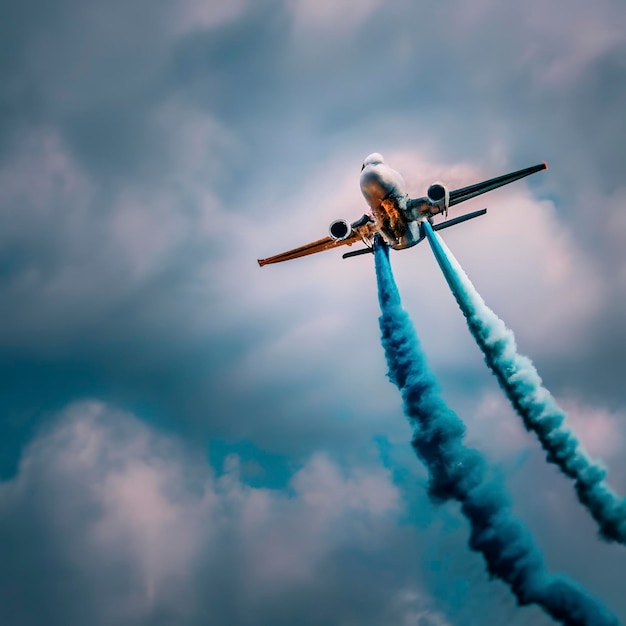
x=186, y=438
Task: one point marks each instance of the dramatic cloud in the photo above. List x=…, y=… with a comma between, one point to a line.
x=146, y=530
x=149, y=153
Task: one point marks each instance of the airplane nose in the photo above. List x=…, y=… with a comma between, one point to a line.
x=371, y=186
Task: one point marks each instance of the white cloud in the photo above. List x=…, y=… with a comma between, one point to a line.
x=41, y=187
x=408, y=611
x=600, y=430
x=195, y=15
x=563, y=47
x=341, y=16
x=612, y=229
x=556, y=43
x=497, y=427
x=79, y=246
x=159, y=509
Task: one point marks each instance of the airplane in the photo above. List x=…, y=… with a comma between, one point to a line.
x=395, y=216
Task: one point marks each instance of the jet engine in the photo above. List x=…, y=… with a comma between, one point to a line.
x=340, y=230
x=438, y=198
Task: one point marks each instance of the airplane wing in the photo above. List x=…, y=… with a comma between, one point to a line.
x=465, y=193
x=363, y=227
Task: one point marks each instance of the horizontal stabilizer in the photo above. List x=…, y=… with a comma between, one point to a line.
x=458, y=220
x=347, y=255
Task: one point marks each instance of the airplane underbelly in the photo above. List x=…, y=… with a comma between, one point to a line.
x=409, y=239
x=397, y=230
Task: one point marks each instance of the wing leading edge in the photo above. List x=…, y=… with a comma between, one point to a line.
x=362, y=228
x=465, y=193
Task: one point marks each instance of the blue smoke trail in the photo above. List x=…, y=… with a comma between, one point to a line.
x=532, y=401
x=459, y=473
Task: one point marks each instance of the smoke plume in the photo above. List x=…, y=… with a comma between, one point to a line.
x=532, y=401
x=459, y=473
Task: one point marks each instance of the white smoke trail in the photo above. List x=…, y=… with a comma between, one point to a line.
x=532, y=401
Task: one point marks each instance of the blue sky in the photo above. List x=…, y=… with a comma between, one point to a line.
x=187, y=438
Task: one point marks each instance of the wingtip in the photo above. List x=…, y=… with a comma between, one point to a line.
x=261, y=262
x=545, y=165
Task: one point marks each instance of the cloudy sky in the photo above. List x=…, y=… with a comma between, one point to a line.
x=186, y=438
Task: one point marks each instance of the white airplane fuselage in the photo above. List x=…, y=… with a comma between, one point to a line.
x=385, y=192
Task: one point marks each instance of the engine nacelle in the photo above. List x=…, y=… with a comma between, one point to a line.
x=340, y=230
x=438, y=198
